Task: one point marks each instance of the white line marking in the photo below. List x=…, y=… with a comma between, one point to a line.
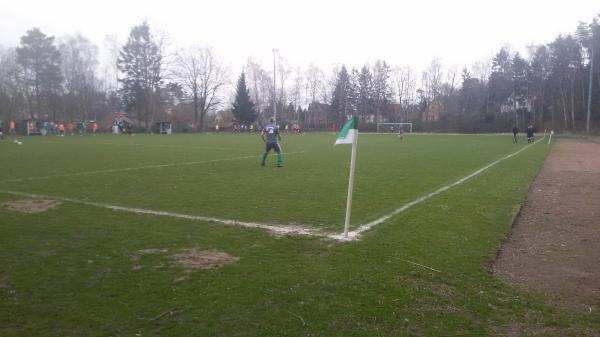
x=353, y=235
x=273, y=228
x=417, y=264
x=276, y=228
x=132, y=168
x=138, y=144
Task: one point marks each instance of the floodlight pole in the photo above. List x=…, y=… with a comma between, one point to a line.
x=274, y=88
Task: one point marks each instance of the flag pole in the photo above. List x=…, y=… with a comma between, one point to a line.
x=350, y=184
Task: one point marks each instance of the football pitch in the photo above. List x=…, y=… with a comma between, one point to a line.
x=429, y=213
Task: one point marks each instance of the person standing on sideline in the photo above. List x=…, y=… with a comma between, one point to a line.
x=530, y=131
x=270, y=135
x=515, y=131
x=1, y=131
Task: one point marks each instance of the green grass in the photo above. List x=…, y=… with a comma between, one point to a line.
x=69, y=271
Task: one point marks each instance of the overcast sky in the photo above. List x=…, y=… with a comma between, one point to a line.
x=323, y=32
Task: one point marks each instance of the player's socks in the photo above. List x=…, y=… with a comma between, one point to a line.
x=279, y=159
x=264, y=158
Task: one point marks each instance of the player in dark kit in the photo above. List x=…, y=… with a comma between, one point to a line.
x=271, y=132
x=515, y=131
x=530, y=131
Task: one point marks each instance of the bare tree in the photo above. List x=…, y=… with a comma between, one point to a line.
x=79, y=63
x=434, y=78
x=111, y=63
x=314, y=78
x=297, y=87
x=330, y=83
x=203, y=77
x=405, y=81
x=482, y=70
x=256, y=75
x=451, y=80
x=12, y=100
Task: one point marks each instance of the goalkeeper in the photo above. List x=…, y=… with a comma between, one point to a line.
x=270, y=135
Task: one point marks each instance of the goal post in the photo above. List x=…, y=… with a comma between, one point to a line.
x=394, y=127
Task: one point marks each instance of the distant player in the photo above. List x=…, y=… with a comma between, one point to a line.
x=530, y=131
x=515, y=131
x=12, y=129
x=80, y=128
x=401, y=134
x=1, y=131
x=270, y=135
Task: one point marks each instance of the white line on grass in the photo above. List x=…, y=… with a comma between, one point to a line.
x=418, y=264
x=273, y=228
x=133, y=168
x=139, y=144
x=353, y=235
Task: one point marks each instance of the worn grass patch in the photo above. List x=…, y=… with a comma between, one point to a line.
x=203, y=259
x=104, y=272
x=30, y=206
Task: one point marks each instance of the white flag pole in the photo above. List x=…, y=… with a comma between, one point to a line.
x=350, y=182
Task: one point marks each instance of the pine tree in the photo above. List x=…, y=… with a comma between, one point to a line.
x=141, y=61
x=243, y=107
x=339, y=100
x=40, y=60
x=365, y=93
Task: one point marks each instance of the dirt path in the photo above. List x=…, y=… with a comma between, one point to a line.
x=555, y=243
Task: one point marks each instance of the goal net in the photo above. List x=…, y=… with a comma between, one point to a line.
x=394, y=127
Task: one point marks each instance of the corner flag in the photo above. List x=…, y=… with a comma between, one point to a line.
x=349, y=135
x=348, y=132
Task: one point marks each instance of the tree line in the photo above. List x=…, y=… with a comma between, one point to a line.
x=554, y=86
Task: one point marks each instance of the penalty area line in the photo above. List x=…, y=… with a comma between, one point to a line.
x=355, y=234
x=275, y=229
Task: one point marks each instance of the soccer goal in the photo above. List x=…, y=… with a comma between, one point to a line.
x=394, y=127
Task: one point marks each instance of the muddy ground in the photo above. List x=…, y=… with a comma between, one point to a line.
x=555, y=244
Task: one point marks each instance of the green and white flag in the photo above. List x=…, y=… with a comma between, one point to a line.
x=348, y=133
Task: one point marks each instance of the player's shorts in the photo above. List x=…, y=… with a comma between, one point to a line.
x=273, y=146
